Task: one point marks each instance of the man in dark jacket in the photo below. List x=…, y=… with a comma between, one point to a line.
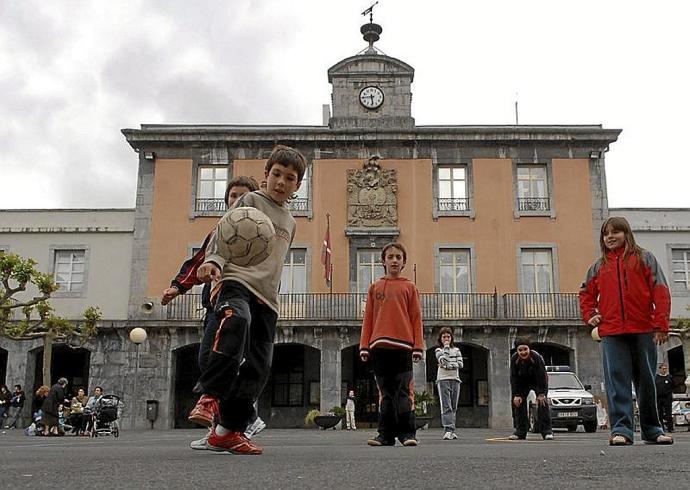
x=55, y=398
x=664, y=396
x=527, y=373
x=15, y=410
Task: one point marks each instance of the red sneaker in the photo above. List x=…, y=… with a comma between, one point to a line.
x=234, y=442
x=205, y=412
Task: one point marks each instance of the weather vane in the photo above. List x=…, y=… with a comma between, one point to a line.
x=370, y=11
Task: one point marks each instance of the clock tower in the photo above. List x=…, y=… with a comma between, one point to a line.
x=371, y=89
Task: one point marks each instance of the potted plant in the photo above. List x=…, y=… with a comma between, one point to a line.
x=422, y=402
x=325, y=420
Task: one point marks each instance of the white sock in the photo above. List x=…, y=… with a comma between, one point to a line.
x=221, y=431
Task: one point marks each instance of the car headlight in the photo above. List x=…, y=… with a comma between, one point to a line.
x=588, y=401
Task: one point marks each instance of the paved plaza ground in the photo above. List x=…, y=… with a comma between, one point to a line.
x=481, y=458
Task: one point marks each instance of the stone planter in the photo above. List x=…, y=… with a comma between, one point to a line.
x=327, y=421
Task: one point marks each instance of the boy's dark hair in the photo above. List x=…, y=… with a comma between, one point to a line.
x=288, y=157
x=241, y=181
x=397, y=245
x=98, y=388
x=18, y=386
x=522, y=341
x=448, y=331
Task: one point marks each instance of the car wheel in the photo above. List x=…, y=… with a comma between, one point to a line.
x=590, y=426
x=572, y=428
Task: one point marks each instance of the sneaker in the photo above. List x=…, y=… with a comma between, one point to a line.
x=254, y=428
x=453, y=436
x=548, y=437
x=200, y=443
x=447, y=436
x=379, y=440
x=410, y=442
x=234, y=442
x=205, y=411
x=515, y=437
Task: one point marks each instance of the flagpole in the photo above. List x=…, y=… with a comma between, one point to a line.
x=330, y=261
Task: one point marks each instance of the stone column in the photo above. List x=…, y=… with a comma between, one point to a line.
x=331, y=375
x=500, y=415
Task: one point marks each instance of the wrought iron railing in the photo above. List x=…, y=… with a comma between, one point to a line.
x=299, y=204
x=207, y=205
x=534, y=204
x=453, y=204
x=435, y=306
x=541, y=305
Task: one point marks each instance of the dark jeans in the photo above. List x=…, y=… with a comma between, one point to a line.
x=631, y=359
x=240, y=359
x=393, y=373
x=521, y=421
x=663, y=405
x=207, y=336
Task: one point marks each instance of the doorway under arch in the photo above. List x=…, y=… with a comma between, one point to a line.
x=359, y=376
x=186, y=369
x=676, y=368
x=473, y=403
x=66, y=362
x=554, y=354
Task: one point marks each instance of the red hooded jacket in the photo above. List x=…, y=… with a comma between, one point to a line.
x=631, y=295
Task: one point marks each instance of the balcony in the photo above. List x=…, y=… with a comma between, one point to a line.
x=534, y=204
x=300, y=204
x=215, y=206
x=453, y=204
x=435, y=306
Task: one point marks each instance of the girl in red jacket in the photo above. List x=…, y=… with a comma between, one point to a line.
x=626, y=296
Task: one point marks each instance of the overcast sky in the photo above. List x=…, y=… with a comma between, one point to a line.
x=73, y=73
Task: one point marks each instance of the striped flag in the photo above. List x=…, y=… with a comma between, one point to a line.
x=326, y=252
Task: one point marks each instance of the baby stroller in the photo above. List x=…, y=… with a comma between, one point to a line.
x=104, y=417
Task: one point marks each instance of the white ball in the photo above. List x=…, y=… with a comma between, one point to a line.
x=246, y=236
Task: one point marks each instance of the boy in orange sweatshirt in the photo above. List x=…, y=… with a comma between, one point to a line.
x=392, y=338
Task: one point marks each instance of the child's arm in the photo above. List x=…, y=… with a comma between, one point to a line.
x=367, y=325
x=415, y=314
x=660, y=293
x=443, y=357
x=589, y=292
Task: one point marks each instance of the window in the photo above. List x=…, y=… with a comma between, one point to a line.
x=454, y=271
x=210, y=191
x=452, y=189
x=369, y=268
x=532, y=188
x=300, y=203
x=537, y=270
x=681, y=269
x=294, y=276
x=69, y=270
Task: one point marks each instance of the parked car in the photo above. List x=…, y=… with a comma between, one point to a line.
x=570, y=402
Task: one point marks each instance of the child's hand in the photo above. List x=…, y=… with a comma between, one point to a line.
x=541, y=400
x=595, y=320
x=517, y=401
x=661, y=338
x=168, y=295
x=208, y=272
x=416, y=356
x=364, y=356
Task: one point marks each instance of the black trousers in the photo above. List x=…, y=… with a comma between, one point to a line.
x=521, y=422
x=239, y=363
x=393, y=373
x=663, y=405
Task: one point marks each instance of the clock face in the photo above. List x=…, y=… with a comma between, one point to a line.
x=371, y=97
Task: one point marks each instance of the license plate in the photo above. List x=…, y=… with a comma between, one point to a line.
x=570, y=415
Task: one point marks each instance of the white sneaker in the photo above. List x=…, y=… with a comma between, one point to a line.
x=447, y=436
x=548, y=437
x=200, y=444
x=254, y=428
x=453, y=435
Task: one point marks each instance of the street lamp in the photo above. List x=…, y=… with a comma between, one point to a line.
x=138, y=337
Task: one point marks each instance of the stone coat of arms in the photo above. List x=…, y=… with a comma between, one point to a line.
x=372, y=196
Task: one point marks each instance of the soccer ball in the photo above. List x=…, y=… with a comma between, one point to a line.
x=245, y=236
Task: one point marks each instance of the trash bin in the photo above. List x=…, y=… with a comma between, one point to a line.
x=151, y=410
